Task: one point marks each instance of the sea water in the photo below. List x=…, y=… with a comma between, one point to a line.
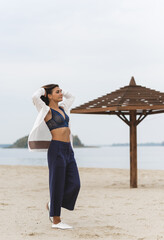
x=100, y=157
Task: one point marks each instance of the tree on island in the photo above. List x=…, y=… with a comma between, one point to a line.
x=20, y=143
x=77, y=142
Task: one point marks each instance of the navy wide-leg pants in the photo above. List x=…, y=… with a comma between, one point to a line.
x=64, y=180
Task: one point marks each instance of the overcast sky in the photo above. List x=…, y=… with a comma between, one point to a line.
x=88, y=47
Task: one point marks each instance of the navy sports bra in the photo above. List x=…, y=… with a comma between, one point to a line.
x=57, y=120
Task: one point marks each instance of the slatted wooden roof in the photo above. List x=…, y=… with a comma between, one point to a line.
x=125, y=99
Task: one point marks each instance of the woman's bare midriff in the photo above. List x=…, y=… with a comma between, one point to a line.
x=61, y=134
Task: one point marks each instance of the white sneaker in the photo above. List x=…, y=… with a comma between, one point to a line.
x=61, y=225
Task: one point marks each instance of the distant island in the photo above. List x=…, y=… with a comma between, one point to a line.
x=22, y=143
x=139, y=144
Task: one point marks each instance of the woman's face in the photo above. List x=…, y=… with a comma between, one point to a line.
x=56, y=95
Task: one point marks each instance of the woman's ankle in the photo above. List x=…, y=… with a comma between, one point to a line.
x=56, y=219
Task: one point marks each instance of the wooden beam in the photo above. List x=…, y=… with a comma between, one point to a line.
x=142, y=117
x=123, y=118
x=87, y=109
x=155, y=112
x=133, y=150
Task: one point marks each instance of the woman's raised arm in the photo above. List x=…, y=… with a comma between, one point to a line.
x=37, y=101
x=68, y=101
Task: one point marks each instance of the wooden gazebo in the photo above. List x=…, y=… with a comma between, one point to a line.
x=131, y=104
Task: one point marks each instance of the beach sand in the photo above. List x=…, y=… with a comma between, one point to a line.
x=106, y=208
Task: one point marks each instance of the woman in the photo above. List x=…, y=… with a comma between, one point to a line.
x=51, y=133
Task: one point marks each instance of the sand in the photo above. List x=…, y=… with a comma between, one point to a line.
x=106, y=208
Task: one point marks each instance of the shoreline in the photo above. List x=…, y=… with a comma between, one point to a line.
x=101, y=168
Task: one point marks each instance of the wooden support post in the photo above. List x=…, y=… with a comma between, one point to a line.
x=133, y=150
